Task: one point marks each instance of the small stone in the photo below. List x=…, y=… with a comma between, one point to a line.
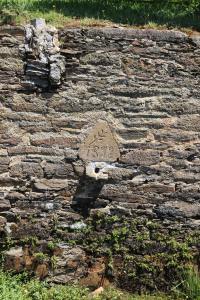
x=55, y=74
x=78, y=226
x=104, y=211
x=10, y=227
x=97, y=292
x=41, y=271
x=28, y=33
x=2, y=223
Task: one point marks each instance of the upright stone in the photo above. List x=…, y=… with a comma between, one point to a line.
x=44, y=65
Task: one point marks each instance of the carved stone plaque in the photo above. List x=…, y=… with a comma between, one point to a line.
x=100, y=145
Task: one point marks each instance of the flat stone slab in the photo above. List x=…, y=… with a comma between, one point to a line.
x=100, y=144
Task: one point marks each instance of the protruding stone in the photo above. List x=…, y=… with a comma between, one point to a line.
x=97, y=170
x=44, y=64
x=141, y=157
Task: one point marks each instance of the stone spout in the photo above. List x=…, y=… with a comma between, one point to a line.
x=98, y=170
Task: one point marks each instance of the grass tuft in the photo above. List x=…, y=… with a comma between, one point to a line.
x=189, y=288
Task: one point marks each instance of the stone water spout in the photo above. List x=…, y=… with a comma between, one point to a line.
x=98, y=170
x=99, y=152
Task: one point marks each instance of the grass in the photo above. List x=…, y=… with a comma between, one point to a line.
x=190, y=286
x=21, y=287
x=153, y=13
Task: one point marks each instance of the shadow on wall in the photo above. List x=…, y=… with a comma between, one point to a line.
x=86, y=194
x=138, y=12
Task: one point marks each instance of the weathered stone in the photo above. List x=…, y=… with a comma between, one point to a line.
x=59, y=171
x=38, y=23
x=190, y=210
x=9, y=215
x=55, y=140
x=97, y=170
x=100, y=145
x=41, y=271
x=95, y=273
x=43, y=65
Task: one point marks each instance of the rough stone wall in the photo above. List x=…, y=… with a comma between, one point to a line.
x=145, y=84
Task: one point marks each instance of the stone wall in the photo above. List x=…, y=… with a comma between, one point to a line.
x=68, y=226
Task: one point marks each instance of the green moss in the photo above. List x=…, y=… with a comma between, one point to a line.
x=41, y=257
x=52, y=245
x=31, y=241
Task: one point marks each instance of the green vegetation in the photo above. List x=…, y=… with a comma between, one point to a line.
x=139, y=254
x=21, y=287
x=41, y=257
x=150, y=13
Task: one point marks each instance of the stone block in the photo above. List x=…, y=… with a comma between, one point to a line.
x=62, y=170
x=61, y=141
x=44, y=185
x=2, y=223
x=25, y=169
x=4, y=205
x=141, y=157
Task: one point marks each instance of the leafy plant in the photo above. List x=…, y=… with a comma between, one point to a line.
x=41, y=257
